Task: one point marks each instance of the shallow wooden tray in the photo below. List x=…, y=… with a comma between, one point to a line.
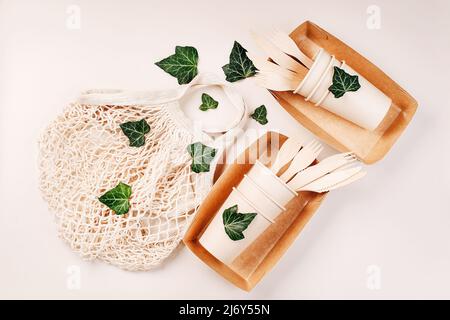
x=369, y=146
x=297, y=214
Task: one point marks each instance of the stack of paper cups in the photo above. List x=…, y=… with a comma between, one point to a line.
x=365, y=107
x=260, y=192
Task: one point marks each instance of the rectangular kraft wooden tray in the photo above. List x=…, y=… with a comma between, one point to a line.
x=298, y=213
x=334, y=130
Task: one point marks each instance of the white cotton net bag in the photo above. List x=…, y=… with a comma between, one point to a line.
x=83, y=154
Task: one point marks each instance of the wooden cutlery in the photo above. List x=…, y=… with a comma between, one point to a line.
x=303, y=159
x=331, y=173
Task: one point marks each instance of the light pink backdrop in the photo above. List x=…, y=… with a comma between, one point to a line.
x=386, y=237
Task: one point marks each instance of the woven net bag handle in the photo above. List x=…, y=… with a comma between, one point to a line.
x=125, y=97
x=228, y=131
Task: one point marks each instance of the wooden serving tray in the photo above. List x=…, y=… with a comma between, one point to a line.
x=260, y=257
x=369, y=146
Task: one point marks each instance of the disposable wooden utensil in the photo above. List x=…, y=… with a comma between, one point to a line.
x=264, y=65
x=345, y=182
x=322, y=168
x=286, y=44
x=286, y=153
x=279, y=56
x=302, y=160
x=274, y=82
x=333, y=180
x=338, y=156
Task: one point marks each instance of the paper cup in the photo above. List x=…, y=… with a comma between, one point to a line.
x=272, y=185
x=366, y=107
x=321, y=62
x=320, y=91
x=217, y=242
x=259, y=199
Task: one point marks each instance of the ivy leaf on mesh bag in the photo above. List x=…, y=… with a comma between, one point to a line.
x=117, y=198
x=181, y=65
x=235, y=223
x=240, y=66
x=201, y=156
x=208, y=102
x=135, y=131
x=260, y=115
x=343, y=82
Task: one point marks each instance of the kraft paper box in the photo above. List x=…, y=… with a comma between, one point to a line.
x=369, y=146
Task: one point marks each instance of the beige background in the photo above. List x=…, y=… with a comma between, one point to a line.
x=386, y=237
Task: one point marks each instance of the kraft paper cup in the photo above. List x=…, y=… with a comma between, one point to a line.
x=272, y=185
x=259, y=199
x=366, y=107
x=217, y=242
x=319, y=66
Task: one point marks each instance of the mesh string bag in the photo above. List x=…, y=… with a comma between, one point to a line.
x=83, y=153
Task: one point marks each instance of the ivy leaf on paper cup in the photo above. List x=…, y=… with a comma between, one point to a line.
x=181, y=65
x=260, y=115
x=240, y=66
x=135, y=131
x=235, y=223
x=117, y=198
x=343, y=82
x=201, y=156
x=208, y=102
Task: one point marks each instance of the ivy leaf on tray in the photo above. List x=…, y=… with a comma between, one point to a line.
x=181, y=65
x=135, y=131
x=240, y=66
x=235, y=223
x=117, y=198
x=208, y=102
x=343, y=82
x=260, y=115
x=201, y=156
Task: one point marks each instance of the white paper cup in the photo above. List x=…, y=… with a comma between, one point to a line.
x=280, y=192
x=321, y=62
x=217, y=242
x=321, y=89
x=366, y=107
x=259, y=199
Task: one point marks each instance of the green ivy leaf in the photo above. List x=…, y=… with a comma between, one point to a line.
x=343, y=82
x=208, y=102
x=240, y=66
x=181, y=65
x=201, y=156
x=235, y=223
x=117, y=198
x=135, y=131
x=260, y=115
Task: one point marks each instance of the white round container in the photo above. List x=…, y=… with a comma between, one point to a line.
x=279, y=191
x=259, y=199
x=217, y=242
x=366, y=107
x=321, y=62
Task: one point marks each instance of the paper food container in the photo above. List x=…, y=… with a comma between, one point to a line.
x=343, y=135
x=248, y=268
x=257, y=258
